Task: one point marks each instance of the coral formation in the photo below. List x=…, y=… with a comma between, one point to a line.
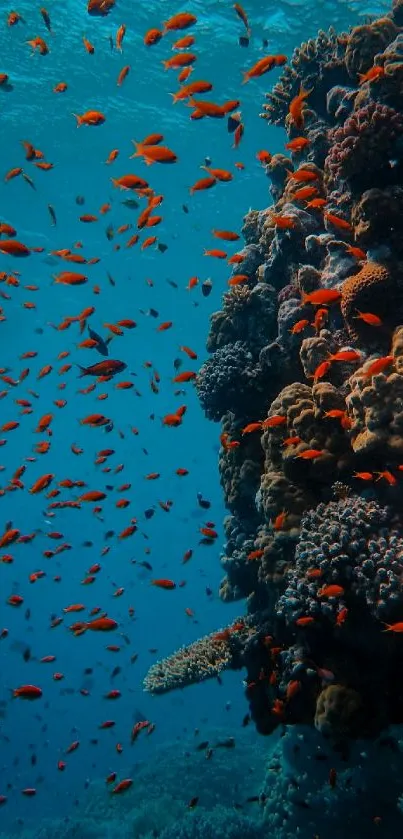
x=337, y=711
x=306, y=377
x=362, y=150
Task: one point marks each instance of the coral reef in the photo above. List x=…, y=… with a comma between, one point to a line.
x=363, y=148
x=306, y=377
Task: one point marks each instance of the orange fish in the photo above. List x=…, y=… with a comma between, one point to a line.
x=163, y=583
x=375, y=367
x=152, y=37
x=298, y=144
x=369, y=318
x=90, y=118
x=341, y=223
x=372, y=75
x=179, y=21
x=321, y=296
x=331, y=591
x=295, y=111
x=122, y=75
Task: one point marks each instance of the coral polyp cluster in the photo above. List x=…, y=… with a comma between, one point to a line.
x=305, y=375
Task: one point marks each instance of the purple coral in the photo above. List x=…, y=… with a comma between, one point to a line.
x=363, y=149
x=231, y=380
x=351, y=542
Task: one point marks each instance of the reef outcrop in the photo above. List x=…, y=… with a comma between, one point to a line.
x=305, y=375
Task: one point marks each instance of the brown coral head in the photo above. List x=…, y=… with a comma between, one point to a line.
x=371, y=290
x=337, y=712
x=365, y=42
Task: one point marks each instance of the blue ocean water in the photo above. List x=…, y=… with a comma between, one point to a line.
x=149, y=287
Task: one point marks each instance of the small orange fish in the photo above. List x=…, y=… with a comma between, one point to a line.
x=295, y=111
x=369, y=318
x=163, y=583
x=372, y=75
x=336, y=221
x=331, y=591
x=322, y=296
x=298, y=144
x=375, y=367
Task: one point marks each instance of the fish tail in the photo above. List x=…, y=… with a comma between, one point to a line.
x=78, y=118
x=83, y=371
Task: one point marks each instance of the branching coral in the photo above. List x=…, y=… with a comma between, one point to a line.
x=314, y=64
x=204, y=659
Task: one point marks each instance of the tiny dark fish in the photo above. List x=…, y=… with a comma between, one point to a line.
x=145, y=564
x=206, y=541
x=206, y=288
x=88, y=671
x=193, y=802
x=28, y=180
x=229, y=743
x=265, y=43
x=207, y=161
x=33, y=760
x=52, y=215
x=149, y=513
x=115, y=672
x=173, y=284
x=101, y=346
x=232, y=124
x=131, y=203
x=243, y=41
x=26, y=654
x=109, y=233
x=110, y=278
x=87, y=544
x=80, y=200
x=201, y=746
x=185, y=208
x=109, y=534
x=202, y=502
x=209, y=591
x=246, y=720
x=161, y=247
x=134, y=658
x=27, y=614
x=111, y=44
x=178, y=363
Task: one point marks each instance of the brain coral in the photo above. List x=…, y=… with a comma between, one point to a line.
x=363, y=147
x=359, y=555
x=371, y=290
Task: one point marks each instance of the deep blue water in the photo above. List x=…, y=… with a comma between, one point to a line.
x=34, y=736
